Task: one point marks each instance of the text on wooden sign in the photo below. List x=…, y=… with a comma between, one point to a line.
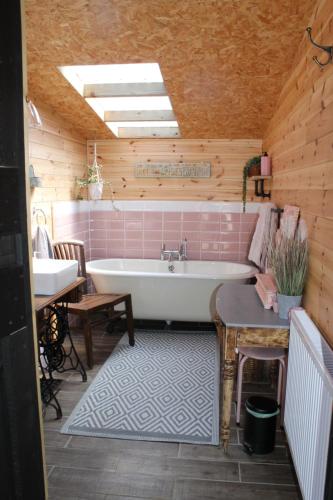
x=201, y=169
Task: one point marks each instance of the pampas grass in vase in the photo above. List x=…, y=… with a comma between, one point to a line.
x=289, y=262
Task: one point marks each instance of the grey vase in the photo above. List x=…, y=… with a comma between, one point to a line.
x=287, y=302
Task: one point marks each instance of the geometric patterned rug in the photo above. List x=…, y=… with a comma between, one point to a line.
x=166, y=388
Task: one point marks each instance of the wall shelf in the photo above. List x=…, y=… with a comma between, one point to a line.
x=259, y=185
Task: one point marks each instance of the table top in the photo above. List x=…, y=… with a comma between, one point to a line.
x=42, y=301
x=240, y=306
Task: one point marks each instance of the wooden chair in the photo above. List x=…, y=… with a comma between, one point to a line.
x=93, y=302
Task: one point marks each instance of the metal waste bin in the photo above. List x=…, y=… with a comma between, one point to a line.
x=260, y=424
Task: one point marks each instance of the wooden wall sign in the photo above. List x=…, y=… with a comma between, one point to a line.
x=201, y=169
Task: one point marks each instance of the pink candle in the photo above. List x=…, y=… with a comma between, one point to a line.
x=265, y=165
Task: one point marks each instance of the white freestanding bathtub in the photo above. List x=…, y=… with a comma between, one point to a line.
x=186, y=294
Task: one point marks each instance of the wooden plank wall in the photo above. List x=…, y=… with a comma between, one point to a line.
x=227, y=157
x=59, y=155
x=300, y=141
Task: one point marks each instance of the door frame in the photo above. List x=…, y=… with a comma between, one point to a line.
x=22, y=464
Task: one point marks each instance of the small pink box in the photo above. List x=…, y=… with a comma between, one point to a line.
x=266, y=289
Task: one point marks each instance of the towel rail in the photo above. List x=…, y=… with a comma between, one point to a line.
x=37, y=211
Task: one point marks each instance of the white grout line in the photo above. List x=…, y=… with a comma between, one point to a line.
x=266, y=463
x=229, y=481
x=68, y=441
x=271, y=484
x=51, y=470
x=179, y=451
x=226, y=458
x=81, y=467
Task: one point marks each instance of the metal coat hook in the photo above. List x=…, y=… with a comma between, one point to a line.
x=326, y=48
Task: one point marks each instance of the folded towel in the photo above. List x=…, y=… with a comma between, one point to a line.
x=41, y=243
x=264, y=234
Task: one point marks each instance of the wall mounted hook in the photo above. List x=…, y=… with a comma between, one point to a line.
x=326, y=48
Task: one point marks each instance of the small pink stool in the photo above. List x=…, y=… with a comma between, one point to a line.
x=265, y=354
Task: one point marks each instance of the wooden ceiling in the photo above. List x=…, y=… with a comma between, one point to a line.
x=223, y=61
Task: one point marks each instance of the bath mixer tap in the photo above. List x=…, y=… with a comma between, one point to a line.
x=170, y=255
x=180, y=254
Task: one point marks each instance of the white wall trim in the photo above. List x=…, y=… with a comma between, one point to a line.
x=70, y=207
x=65, y=207
x=175, y=206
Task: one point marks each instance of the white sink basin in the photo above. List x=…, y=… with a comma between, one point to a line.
x=52, y=275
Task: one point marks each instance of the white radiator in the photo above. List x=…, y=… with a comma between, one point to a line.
x=308, y=406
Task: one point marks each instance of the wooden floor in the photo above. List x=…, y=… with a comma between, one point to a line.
x=89, y=468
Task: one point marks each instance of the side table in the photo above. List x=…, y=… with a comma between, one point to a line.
x=242, y=321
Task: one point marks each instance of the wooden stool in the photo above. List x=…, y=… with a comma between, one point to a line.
x=92, y=303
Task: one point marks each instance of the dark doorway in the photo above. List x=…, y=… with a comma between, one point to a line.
x=21, y=464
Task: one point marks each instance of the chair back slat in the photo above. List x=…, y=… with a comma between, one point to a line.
x=72, y=250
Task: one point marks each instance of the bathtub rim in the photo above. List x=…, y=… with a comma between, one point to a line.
x=173, y=275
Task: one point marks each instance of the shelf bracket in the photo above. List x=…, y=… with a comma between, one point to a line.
x=260, y=189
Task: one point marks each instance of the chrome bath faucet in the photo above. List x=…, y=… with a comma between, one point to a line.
x=180, y=254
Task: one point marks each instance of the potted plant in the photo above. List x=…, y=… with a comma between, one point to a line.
x=288, y=259
x=252, y=167
x=94, y=180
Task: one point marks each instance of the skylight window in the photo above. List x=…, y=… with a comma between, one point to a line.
x=120, y=128
x=127, y=97
x=113, y=73
x=130, y=103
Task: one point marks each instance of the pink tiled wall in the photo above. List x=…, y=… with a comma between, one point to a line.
x=72, y=226
x=139, y=234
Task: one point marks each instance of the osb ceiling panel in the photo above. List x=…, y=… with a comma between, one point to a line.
x=223, y=61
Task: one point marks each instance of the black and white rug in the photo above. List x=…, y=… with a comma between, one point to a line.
x=166, y=388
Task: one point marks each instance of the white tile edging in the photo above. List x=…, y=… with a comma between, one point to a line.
x=67, y=207
x=70, y=207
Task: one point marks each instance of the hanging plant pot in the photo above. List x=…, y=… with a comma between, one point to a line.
x=254, y=170
x=252, y=167
x=93, y=180
x=95, y=190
